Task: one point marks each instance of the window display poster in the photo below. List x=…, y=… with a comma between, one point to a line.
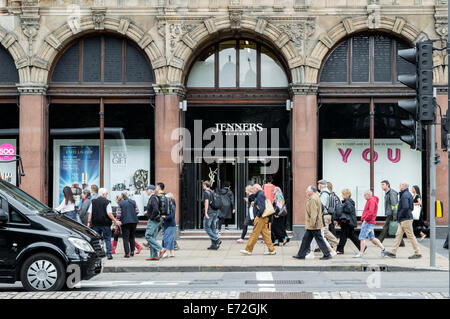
x=79, y=168
x=346, y=164
x=8, y=172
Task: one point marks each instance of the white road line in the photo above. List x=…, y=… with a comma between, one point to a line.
x=105, y=284
x=263, y=276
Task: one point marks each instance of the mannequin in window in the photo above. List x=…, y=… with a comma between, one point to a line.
x=250, y=75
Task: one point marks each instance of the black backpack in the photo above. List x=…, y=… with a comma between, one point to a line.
x=226, y=202
x=334, y=201
x=216, y=201
x=163, y=205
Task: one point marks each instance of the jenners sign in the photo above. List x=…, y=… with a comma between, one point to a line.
x=237, y=128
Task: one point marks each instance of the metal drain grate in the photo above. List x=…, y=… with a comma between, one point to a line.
x=276, y=295
x=275, y=282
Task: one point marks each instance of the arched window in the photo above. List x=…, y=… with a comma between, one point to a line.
x=102, y=59
x=237, y=63
x=366, y=59
x=8, y=70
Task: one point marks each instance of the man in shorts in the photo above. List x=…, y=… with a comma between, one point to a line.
x=368, y=224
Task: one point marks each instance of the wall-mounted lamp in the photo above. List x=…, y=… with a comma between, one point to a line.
x=182, y=105
x=289, y=105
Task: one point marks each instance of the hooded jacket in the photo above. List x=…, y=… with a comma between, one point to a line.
x=226, y=212
x=391, y=203
x=370, y=210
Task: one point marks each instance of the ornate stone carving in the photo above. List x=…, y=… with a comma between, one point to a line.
x=441, y=19
x=373, y=18
x=299, y=32
x=29, y=22
x=235, y=18
x=173, y=32
x=98, y=16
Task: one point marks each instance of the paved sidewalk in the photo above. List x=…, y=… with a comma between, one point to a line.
x=190, y=295
x=194, y=256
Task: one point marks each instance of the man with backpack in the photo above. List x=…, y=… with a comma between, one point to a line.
x=211, y=204
x=227, y=210
x=328, y=207
x=154, y=220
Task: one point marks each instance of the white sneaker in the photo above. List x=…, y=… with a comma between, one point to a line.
x=358, y=255
x=270, y=252
x=310, y=255
x=243, y=251
x=333, y=253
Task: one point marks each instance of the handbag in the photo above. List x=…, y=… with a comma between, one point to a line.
x=393, y=225
x=282, y=212
x=250, y=213
x=269, y=209
x=416, y=212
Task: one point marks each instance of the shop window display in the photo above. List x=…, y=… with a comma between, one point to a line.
x=9, y=138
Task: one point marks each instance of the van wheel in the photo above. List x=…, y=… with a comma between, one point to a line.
x=42, y=272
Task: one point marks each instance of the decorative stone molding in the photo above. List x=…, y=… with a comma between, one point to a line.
x=302, y=89
x=32, y=88
x=29, y=22
x=235, y=18
x=98, y=17
x=327, y=40
x=179, y=90
x=9, y=42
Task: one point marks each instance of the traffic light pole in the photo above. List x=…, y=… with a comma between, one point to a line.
x=432, y=129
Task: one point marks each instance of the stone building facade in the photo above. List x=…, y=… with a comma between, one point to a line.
x=171, y=34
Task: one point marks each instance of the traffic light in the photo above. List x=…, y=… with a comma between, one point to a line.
x=415, y=138
x=422, y=107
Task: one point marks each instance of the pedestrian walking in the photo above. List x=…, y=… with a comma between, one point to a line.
x=420, y=224
x=368, y=219
x=268, y=188
x=333, y=196
x=101, y=218
x=117, y=230
x=67, y=206
x=154, y=219
x=94, y=191
x=169, y=226
x=325, y=198
x=277, y=220
x=405, y=220
x=211, y=213
x=314, y=224
x=260, y=224
x=390, y=209
x=85, y=203
x=227, y=210
x=129, y=220
x=348, y=222
x=249, y=216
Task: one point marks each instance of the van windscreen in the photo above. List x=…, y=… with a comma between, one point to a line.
x=22, y=197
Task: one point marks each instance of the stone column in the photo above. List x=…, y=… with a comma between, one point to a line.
x=304, y=150
x=442, y=168
x=167, y=119
x=33, y=140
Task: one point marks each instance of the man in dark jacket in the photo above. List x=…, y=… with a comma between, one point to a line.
x=227, y=210
x=260, y=224
x=154, y=219
x=390, y=209
x=101, y=218
x=405, y=220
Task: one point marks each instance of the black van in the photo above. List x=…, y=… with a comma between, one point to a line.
x=42, y=248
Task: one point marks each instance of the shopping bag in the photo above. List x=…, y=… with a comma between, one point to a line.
x=416, y=212
x=269, y=209
x=393, y=225
x=250, y=212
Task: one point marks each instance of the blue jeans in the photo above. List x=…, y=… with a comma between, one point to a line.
x=105, y=231
x=73, y=215
x=150, y=236
x=210, y=226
